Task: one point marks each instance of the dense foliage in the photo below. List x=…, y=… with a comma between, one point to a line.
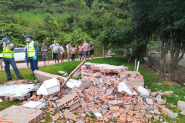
x=61, y=20
x=128, y=24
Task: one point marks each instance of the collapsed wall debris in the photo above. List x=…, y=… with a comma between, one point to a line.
x=19, y=90
x=107, y=91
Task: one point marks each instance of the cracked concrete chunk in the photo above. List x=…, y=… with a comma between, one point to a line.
x=50, y=86
x=143, y=92
x=181, y=105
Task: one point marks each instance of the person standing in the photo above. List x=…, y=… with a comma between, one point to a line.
x=44, y=53
x=85, y=49
x=27, y=62
x=81, y=54
x=8, y=57
x=91, y=49
x=73, y=51
x=68, y=47
x=32, y=51
x=62, y=52
x=55, y=48
x=1, y=51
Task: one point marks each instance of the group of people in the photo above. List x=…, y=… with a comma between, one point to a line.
x=31, y=54
x=71, y=50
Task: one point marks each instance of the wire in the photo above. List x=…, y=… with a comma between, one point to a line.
x=69, y=8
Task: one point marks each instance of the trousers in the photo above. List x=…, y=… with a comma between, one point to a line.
x=33, y=64
x=8, y=62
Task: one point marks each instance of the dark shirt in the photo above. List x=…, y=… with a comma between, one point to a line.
x=44, y=53
x=91, y=45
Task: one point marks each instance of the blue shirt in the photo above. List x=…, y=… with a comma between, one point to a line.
x=36, y=49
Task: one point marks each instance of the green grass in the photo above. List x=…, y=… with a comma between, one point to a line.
x=151, y=81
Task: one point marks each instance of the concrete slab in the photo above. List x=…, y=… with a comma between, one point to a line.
x=18, y=114
x=14, y=91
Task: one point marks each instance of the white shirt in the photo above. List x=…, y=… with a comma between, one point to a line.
x=62, y=48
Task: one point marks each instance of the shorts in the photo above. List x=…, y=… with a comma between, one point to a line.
x=85, y=53
x=81, y=55
x=62, y=56
x=44, y=57
x=91, y=52
x=27, y=60
x=55, y=55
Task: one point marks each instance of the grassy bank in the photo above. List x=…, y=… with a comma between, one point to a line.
x=150, y=78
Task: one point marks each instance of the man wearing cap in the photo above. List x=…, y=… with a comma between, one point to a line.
x=32, y=51
x=8, y=57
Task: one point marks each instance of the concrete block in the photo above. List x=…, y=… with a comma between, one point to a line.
x=19, y=114
x=138, y=82
x=74, y=106
x=86, y=84
x=36, y=105
x=153, y=94
x=70, y=99
x=69, y=115
x=168, y=92
x=43, y=76
x=149, y=101
x=181, y=105
x=143, y=92
x=170, y=113
x=161, y=101
x=97, y=113
x=50, y=86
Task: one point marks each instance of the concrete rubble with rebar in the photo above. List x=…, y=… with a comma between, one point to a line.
x=110, y=93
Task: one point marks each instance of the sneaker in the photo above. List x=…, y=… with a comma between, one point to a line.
x=9, y=79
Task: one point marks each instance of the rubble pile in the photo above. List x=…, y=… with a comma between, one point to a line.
x=110, y=93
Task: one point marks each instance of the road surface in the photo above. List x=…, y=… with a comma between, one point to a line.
x=41, y=63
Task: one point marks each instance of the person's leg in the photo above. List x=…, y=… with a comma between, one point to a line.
x=35, y=64
x=74, y=57
x=16, y=70
x=27, y=65
x=55, y=61
x=1, y=65
x=57, y=57
x=47, y=59
x=31, y=65
x=7, y=68
x=44, y=63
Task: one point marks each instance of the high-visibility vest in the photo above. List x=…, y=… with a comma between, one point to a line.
x=30, y=49
x=8, y=53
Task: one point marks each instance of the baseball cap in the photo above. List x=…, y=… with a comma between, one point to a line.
x=28, y=36
x=4, y=39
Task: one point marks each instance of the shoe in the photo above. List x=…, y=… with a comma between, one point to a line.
x=9, y=79
x=20, y=77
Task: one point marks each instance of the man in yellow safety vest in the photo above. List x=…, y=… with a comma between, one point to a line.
x=8, y=57
x=31, y=53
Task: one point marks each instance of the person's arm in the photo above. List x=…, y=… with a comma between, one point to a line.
x=36, y=49
x=46, y=49
x=51, y=47
x=10, y=47
x=25, y=51
x=92, y=47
